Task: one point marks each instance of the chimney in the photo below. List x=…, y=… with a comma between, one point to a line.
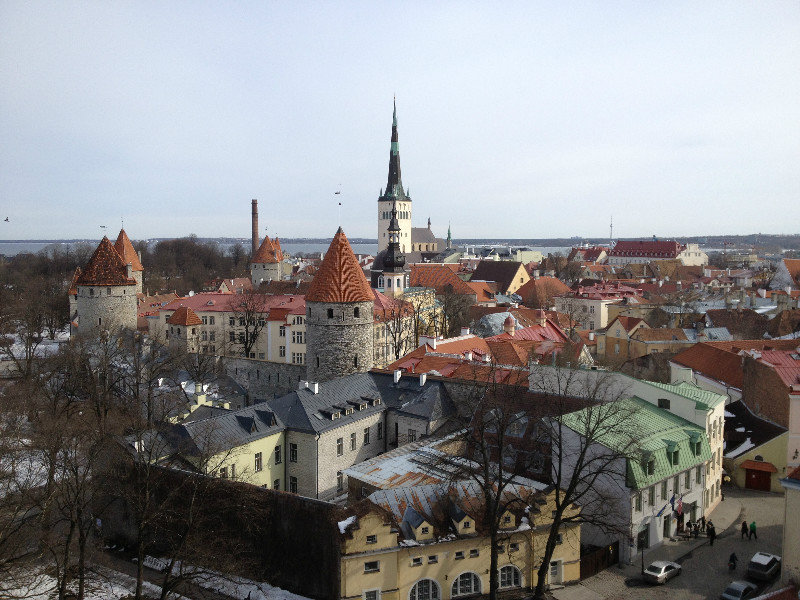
x=302, y=384
x=314, y=387
x=541, y=317
x=509, y=325
x=129, y=270
x=465, y=331
x=591, y=336
x=422, y=378
x=255, y=227
x=397, y=374
x=468, y=355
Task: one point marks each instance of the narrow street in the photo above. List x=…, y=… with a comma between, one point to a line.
x=705, y=568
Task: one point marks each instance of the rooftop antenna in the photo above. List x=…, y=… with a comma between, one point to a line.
x=611, y=232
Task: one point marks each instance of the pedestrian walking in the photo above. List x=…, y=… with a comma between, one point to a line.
x=744, y=530
x=703, y=523
x=696, y=530
x=753, y=531
x=712, y=534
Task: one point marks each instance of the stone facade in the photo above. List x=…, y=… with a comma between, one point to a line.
x=265, y=272
x=339, y=339
x=264, y=380
x=102, y=308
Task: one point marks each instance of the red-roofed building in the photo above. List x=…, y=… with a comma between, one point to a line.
x=540, y=292
x=613, y=341
x=589, y=304
x=265, y=265
x=588, y=254
x=644, y=251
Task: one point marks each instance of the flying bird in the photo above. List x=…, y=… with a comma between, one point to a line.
x=6, y=219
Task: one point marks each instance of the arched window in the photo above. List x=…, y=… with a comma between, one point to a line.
x=759, y=458
x=466, y=584
x=425, y=589
x=510, y=577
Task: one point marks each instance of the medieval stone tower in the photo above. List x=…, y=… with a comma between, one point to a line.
x=266, y=262
x=394, y=197
x=339, y=318
x=106, y=292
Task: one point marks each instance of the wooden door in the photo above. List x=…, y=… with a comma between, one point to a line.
x=757, y=480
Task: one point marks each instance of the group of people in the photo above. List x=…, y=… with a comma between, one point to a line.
x=749, y=532
x=701, y=525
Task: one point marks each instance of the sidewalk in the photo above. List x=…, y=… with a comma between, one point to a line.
x=724, y=515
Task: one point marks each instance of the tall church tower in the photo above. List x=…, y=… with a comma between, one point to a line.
x=394, y=262
x=394, y=197
x=339, y=317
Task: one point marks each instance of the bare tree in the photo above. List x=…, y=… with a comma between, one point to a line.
x=454, y=312
x=584, y=471
x=249, y=314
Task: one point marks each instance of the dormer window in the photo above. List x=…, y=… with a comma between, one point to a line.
x=376, y=401
x=507, y=520
x=467, y=524
x=425, y=530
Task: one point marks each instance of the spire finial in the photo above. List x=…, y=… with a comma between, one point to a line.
x=394, y=111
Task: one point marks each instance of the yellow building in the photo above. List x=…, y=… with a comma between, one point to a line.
x=429, y=543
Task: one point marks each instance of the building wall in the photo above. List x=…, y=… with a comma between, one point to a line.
x=243, y=459
x=693, y=256
x=397, y=574
x=403, y=424
x=331, y=463
x=265, y=272
x=106, y=308
x=773, y=451
x=308, y=463
x=341, y=344
x=793, y=442
x=791, y=532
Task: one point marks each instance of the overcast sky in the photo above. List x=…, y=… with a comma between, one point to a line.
x=529, y=119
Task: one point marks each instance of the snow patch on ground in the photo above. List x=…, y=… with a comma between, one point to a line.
x=239, y=587
x=101, y=584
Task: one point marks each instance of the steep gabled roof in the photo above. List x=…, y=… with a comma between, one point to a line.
x=125, y=249
x=184, y=316
x=105, y=267
x=269, y=252
x=340, y=277
x=501, y=271
x=439, y=277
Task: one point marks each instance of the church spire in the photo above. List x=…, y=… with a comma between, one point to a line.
x=394, y=185
x=394, y=261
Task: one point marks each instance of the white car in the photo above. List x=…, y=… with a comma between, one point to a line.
x=661, y=571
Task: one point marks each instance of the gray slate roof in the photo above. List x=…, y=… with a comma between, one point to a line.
x=304, y=410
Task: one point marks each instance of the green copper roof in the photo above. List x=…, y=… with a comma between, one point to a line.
x=704, y=400
x=657, y=431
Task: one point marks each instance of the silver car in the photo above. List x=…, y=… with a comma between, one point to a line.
x=661, y=571
x=764, y=566
x=739, y=590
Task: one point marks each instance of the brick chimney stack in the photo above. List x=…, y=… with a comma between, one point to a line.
x=255, y=228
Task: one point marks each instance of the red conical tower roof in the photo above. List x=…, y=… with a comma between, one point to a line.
x=105, y=267
x=268, y=252
x=125, y=249
x=184, y=316
x=340, y=277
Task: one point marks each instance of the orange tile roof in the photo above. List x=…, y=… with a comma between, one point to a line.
x=340, y=277
x=184, y=316
x=105, y=267
x=125, y=249
x=793, y=266
x=485, y=291
x=268, y=252
x=439, y=277
x=73, y=288
x=721, y=361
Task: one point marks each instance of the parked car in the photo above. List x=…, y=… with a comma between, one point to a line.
x=739, y=590
x=661, y=571
x=764, y=566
